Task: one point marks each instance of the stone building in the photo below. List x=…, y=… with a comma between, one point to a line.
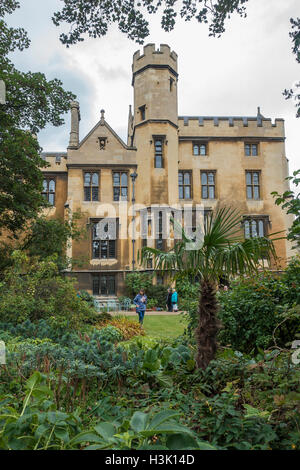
x=235, y=161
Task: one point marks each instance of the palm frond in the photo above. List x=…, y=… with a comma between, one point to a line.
x=222, y=252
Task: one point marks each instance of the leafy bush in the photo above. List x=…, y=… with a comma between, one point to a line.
x=127, y=327
x=253, y=308
x=111, y=333
x=152, y=303
x=136, y=281
x=87, y=297
x=39, y=425
x=156, y=293
x=37, y=291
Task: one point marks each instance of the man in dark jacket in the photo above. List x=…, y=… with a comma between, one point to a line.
x=169, y=300
x=140, y=301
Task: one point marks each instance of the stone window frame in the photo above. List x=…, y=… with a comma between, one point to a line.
x=96, y=278
x=47, y=192
x=142, y=111
x=208, y=185
x=162, y=138
x=91, y=171
x=200, y=145
x=183, y=185
x=93, y=222
x=252, y=185
x=251, y=145
x=264, y=219
x=120, y=171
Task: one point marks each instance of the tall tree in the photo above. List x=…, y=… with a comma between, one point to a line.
x=290, y=201
x=95, y=16
x=31, y=102
x=223, y=253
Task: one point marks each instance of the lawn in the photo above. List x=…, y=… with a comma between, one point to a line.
x=163, y=326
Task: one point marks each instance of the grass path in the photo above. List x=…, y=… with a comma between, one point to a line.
x=163, y=326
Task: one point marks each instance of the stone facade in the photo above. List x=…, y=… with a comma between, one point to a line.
x=220, y=160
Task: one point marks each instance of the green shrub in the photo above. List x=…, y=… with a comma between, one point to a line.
x=157, y=293
x=152, y=303
x=136, y=281
x=35, y=291
x=254, y=308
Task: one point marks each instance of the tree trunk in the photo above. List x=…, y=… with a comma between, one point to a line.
x=208, y=325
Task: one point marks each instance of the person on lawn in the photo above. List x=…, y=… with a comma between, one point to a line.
x=169, y=300
x=174, y=301
x=140, y=301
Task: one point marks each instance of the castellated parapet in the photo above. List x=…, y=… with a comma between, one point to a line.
x=151, y=56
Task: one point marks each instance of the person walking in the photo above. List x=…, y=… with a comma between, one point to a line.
x=140, y=301
x=174, y=299
x=169, y=300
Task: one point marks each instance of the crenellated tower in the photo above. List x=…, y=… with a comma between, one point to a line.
x=155, y=123
x=154, y=79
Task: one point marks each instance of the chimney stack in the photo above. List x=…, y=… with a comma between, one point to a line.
x=75, y=118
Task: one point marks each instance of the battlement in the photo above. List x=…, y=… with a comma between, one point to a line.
x=156, y=57
x=258, y=121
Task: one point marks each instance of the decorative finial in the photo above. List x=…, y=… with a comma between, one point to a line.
x=102, y=117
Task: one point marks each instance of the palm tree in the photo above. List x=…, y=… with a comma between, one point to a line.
x=223, y=252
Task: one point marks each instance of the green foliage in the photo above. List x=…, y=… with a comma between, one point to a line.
x=152, y=303
x=111, y=333
x=86, y=297
x=94, y=18
x=189, y=295
x=290, y=201
x=20, y=178
x=36, y=291
x=81, y=394
x=256, y=311
x=40, y=426
x=142, y=432
x=136, y=281
x=291, y=281
x=31, y=103
x=223, y=251
x=50, y=237
x=157, y=294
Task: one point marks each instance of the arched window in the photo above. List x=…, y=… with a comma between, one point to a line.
x=255, y=227
x=49, y=190
x=200, y=149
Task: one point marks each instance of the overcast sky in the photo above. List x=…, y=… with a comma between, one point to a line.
x=249, y=66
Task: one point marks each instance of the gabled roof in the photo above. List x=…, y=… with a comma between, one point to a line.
x=103, y=123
